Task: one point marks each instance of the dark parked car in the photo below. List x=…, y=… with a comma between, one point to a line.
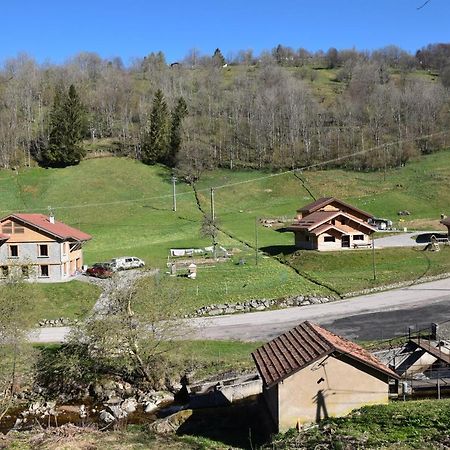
x=100, y=270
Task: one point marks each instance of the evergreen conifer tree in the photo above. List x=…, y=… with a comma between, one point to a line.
x=218, y=58
x=179, y=113
x=155, y=141
x=67, y=126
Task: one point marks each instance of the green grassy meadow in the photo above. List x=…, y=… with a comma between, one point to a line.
x=127, y=207
x=399, y=425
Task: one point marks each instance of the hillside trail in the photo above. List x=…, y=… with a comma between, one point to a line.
x=120, y=280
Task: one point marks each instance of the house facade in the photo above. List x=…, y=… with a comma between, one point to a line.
x=331, y=224
x=39, y=248
x=310, y=374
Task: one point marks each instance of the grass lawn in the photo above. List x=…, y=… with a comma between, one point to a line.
x=352, y=271
x=213, y=357
x=398, y=425
x=127, y=207
x=72, y=300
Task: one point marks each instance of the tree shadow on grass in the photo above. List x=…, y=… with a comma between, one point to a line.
x=245, y=425
x=425, y=238
x=274, y=250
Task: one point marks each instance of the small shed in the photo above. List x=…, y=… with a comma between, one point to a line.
x=309, y=374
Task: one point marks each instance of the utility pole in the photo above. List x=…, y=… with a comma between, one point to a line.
x=373, y=260
x=213, y=213
x=256, y=240
x=174, y=192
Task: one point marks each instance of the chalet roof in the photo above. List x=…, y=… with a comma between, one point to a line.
x=303, y=345
x=4, y=237
x=313, y=221
x=42, y=222
x=324, y=201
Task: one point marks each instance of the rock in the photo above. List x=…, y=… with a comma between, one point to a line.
x=230, y=310
x=171, y=423
x=129, y=405
x=260, y=308
x=215, y=312
x=305, y=303
x=114, y=400
x=117, y=412
x=150, y=407
x=106, y=417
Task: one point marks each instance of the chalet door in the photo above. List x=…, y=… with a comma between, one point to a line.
x=345, y=241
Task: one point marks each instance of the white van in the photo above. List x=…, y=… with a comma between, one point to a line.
x=126, y=262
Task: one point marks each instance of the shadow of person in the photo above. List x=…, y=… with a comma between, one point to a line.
x=321, y=407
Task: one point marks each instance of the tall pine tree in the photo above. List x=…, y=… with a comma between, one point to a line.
x=155, y=141
x=179, y=113
x=67, y=127
x=218, y=59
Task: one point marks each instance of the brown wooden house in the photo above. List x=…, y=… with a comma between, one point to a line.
x=309, y=374
x=331, y=224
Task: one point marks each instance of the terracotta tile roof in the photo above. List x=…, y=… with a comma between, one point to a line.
x=57, y=229
x=301, y=346
x=324, y=201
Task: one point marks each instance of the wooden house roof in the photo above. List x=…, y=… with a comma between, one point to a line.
x=314, y=221
x=324, y=201
x=301, y=346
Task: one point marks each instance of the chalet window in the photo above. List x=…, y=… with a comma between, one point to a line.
x=43, y=250
x=43, y=271
x=4, y=271
x=25, y=271
x=333, y=222
x=7, y=228
x=358, y=237
x=329, y=239
x=18, y=229
x=344, y=221
x=12, y=228
x=13, y=251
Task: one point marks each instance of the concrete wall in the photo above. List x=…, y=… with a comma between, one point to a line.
x=330, y=387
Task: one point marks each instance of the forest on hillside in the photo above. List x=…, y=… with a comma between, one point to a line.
x=284, y=108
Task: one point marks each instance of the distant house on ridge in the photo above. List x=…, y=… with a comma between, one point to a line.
x=309, y=374
x=40, y=248
x=331, y=224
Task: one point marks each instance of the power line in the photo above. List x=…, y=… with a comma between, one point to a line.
x=223, y=186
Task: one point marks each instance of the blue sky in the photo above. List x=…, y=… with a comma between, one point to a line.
x=54, y=30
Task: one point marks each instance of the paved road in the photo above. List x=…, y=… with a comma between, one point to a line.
x=375, y=316
x=417, y=238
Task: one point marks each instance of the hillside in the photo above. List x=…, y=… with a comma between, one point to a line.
x=127, y=207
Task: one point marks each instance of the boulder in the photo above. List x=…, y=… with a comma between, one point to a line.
x=171, y=423
x=106, y=416
x=117, y=411
x=150, y=407
x=129, y=405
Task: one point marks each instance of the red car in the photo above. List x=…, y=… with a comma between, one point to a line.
x=100, y=270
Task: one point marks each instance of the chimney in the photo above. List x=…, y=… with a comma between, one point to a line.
x=51, y=218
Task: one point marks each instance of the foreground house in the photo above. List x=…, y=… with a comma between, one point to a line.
x=310, y=374
x=331, y=224
x=40, y=248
